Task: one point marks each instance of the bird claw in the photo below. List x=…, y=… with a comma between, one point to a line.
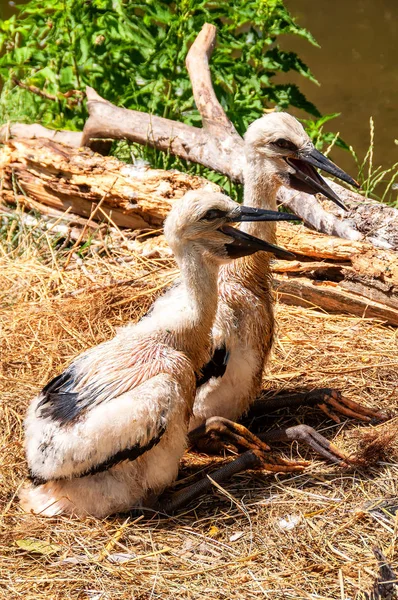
x=242, y=438
x=334, y=402
x=228, y=431
x=312, y=438
x=280, y=465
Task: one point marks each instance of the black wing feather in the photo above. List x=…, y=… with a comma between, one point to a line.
x=59, y=402
x=216, y=367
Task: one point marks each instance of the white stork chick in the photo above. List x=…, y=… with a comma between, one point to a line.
x=278, y=152
x=109, y=432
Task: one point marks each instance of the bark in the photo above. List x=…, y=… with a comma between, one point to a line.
x=305, y=242
x=331, y=297
x=62, y=177
x=354, y=278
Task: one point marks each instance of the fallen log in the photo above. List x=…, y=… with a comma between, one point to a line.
x=62, y=177
x=218, y=145
x=53, y=178
x=330, y=297
x=345, y=277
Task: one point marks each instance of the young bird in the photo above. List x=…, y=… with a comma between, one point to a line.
x=108, y=433
x=278, y=152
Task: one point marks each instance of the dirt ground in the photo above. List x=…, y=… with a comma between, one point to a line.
x=306, y=536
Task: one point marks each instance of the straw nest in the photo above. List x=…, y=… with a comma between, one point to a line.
x=304, y=536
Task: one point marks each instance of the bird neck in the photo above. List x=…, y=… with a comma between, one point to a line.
x=191, y=328
x=260, y=189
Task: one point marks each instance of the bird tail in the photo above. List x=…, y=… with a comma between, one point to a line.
x=47, y=500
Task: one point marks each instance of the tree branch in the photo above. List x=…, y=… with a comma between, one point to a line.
x=197, y=63
x=29, y=132
x=315, y=216
x=223, y=153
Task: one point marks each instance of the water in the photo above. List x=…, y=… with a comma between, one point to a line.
x=357, y=66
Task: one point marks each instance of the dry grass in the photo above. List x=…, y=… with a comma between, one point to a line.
x=234, y=544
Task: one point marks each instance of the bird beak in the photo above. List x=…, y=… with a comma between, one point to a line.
x=307, y=179
x=243, y=244
x=247, y=213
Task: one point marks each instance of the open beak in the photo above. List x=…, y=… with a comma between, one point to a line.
x=243, y=244
x=307, y=179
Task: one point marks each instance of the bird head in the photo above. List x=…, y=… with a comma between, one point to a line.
x=202, y=219
x=278, y=147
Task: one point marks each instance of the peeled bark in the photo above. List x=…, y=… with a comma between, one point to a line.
x=62, y=177
x=355, y=277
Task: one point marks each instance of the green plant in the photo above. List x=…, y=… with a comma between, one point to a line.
x=376, y=182
x=133, y=54
x=322, y=139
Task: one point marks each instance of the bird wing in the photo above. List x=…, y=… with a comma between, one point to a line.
x=216, y=366
x=123, y=428
x=101, y=374
x=113, y=403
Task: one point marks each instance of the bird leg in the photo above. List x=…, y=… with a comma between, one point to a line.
x=330, y=401
x=219, y=430
x=255, y=457
x=178, y=500
x=312, y=438
x=251, y=459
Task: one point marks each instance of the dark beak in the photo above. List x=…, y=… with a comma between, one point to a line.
x=244, y=244
x=307, y=179
x=246, y=213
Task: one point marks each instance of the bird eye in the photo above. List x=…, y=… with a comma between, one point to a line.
x=286, y=145
x=213, y=213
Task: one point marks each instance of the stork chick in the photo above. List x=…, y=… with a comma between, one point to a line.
x=110, y=430
x=278, y=152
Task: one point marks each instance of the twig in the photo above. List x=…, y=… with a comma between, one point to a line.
x=92, y=215
x=34, y=90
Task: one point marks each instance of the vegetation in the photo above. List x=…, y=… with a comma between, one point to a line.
x=133, y=54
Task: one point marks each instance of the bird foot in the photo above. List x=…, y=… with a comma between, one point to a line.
x=308, y=435
x=238, y=435
x=333, y=402
x=329, y=400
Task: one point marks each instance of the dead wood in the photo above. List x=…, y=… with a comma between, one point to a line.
x=357, y=268
x=330, y=272
x=61, y=177
x=330, y=297
x=218, y=145
x=25, y=131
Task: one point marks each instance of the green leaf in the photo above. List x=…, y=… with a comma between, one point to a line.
x=34, y=546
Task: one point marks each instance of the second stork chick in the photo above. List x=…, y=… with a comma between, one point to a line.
x=108, y=433
x=278, y=152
